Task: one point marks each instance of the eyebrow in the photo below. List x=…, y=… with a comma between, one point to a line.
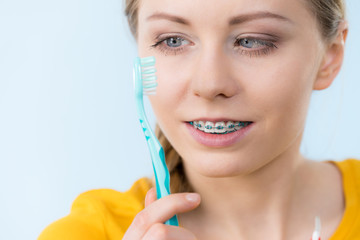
x=166, y=16
x=258, y=15
x=233, y=21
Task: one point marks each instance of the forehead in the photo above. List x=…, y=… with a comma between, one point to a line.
x=207, y=12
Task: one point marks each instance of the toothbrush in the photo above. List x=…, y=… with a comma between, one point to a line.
x=145, y=84
x=316, y=233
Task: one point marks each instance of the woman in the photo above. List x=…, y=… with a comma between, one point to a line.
x=232, y=62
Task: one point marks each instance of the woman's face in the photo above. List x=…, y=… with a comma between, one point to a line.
x=231, y=61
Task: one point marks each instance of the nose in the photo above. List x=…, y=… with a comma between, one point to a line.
x=213, y=76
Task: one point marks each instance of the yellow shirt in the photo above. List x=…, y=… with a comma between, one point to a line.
x=105, y=214
x=349, y=227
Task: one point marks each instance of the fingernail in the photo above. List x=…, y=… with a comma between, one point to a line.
x=192, y=197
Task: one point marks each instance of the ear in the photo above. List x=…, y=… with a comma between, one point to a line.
x=332, y=60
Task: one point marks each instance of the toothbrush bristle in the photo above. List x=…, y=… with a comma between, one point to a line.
x=148, y=75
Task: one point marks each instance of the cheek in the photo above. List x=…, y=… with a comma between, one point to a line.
x=173, y=80
x=284, y=86
x=170, y=93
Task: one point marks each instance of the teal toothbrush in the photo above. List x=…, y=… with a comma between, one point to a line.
x=145, y=84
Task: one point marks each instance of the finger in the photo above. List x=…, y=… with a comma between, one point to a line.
x=161, y=231
x=161, y=210
x=150, y=197
x=165, y=208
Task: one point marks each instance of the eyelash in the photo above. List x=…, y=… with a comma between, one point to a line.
x=165, y=49
x=269, y=45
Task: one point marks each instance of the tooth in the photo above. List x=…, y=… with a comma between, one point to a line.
x=209, y=127
x=238, y=125
x=220, y=127
x=201, y=125
x=230, y=126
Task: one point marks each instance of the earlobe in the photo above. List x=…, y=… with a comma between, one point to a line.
x=332, y=61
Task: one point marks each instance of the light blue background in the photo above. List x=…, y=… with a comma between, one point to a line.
x=67, y=118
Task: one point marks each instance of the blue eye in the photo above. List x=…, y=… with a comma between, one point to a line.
x=171, y=44
x=254, y=46
x=174, y=42
x=253, y=43
x=249, y=43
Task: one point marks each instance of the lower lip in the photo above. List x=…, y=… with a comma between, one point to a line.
x=218, y=140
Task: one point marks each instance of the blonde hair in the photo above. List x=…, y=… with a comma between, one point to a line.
x=329, y=14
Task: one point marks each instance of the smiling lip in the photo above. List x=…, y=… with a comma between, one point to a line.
x=218, y=140
x=216, y=120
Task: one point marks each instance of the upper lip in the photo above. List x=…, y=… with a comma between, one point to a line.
x=219, y=119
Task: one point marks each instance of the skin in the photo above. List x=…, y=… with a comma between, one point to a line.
x=261, y=182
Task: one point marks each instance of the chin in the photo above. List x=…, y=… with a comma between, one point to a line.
x=222, y=165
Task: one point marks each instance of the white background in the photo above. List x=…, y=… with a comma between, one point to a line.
x=67, y=118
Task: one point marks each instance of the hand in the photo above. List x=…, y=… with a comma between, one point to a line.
x=149, y=223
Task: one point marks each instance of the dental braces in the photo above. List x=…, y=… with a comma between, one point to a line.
x=220, y=126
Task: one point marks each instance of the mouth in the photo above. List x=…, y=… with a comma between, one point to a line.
x=221, y=127
x=219, y=133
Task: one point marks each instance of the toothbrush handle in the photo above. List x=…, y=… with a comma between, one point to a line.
x=162, y=177
x=172, y=221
